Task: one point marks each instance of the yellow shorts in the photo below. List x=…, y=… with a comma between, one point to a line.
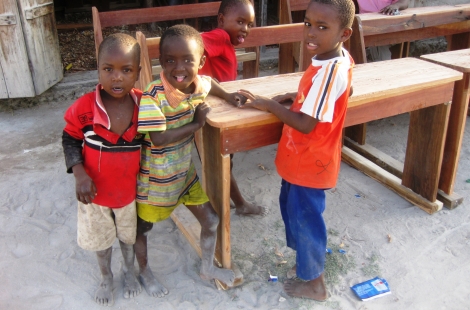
x=194, y=197
x=98, y=226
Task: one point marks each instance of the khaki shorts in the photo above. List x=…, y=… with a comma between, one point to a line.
x=194, y=197
x=98, y=226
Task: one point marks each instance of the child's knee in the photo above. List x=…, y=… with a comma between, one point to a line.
x=212, y=221
x=143, y=226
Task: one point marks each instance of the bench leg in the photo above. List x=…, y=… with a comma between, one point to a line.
x=424, y=152
x=455, y=131
x=216, y=176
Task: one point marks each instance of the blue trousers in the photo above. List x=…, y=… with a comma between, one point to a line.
x=301, y=210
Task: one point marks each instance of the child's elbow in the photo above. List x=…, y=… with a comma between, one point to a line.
x=158, y=138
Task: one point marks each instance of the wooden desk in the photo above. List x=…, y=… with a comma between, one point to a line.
x=375, y=29
x=376, y=95
x=458, y=60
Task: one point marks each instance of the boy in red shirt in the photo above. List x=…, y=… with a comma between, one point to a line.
x=102, y=149
x=309, y=152
x=235, y=19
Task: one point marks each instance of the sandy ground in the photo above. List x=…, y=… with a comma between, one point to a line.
x=426, y=261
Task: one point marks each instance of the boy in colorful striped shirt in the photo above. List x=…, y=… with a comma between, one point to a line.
x=171, y=110
x=309, y=153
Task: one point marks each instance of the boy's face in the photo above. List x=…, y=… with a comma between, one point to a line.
x=237, y=22
x=118, y=70
x=181, y=60
x=323, y=34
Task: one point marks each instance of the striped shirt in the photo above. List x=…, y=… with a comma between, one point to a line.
x=313, y=159
x=167, y=171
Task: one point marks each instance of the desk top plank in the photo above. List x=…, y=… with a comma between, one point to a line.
x=458, y=60
x=372, y=82
x=413, y=18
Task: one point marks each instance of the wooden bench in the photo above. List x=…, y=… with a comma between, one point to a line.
x=149, y=15
x=458, y=60
x=292, y=11
x=259, y=36
x=416, y=86
x=249, y=56
x=413, y=24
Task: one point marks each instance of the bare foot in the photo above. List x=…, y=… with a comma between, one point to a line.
x=292, y=273
x=104, y=293
x=226, y=276
x=250, y=209
x=314, y=289
x=132, y=286
x=151, y=285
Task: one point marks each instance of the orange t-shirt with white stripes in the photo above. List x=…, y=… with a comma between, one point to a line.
x=313, y=159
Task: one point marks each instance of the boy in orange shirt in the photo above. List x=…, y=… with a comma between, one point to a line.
x=309, y=152
x=235, y=19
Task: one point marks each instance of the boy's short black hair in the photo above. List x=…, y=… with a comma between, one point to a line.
x=118, y=40
x=184, y=31
x=345, y=10
x=226, y=5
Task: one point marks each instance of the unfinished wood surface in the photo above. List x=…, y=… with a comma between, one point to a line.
x=3, y=86
x=13, y=54
x=376, y=156
x=413, y=18
x=190, y=227
x=244, y=138
x=424, y=151
x=458, y=60
x=389, y=180
x=395, y=167
x=145, y=65
x=291, y=53
x=217, y=186
x=42, y=43
x=371, y=84
x=158, y=14
x=148, y=15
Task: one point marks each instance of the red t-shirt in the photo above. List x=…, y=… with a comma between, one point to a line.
x=111, y=161
x=313, y=159
x=221, y=61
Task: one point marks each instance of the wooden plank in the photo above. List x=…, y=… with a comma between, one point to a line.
x=14, y=56
x=424, y=150
x=416, y=34
x=450, y=201
x=398, y=104
x=42, y=43
x=389, y=180
x=458, y=41
x=145, y=67
x=40, y=10
x=395, y=167
x=356, y=42
x=458, y=60
x=244, y=138
x=413, y=18
x=190, y=227
x=3, y=86
x=218, y=190
x=98, y=34
x=372, y=91
x=158, y=14
x=7, y=19
x=376, y=156
x=286, y=62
